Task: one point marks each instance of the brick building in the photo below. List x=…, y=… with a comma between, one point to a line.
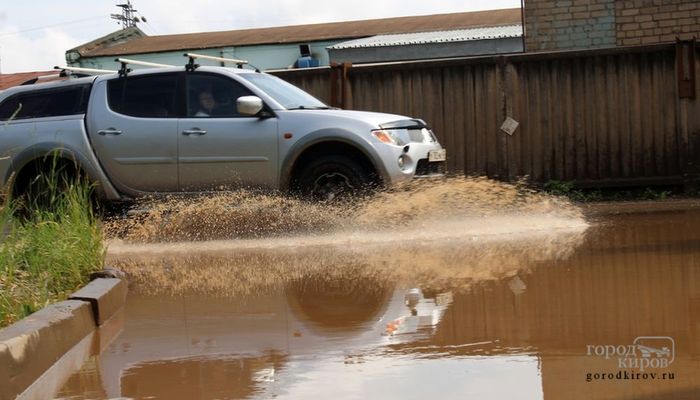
x=577, y=24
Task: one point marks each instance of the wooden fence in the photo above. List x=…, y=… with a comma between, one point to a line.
x=611, y=117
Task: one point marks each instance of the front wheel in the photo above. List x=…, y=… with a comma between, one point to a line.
x=331, y=178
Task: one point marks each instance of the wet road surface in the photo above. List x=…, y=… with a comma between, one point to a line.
x=550, y=313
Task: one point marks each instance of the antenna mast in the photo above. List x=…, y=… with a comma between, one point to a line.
x=128, y=17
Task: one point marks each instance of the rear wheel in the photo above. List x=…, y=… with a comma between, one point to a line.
x=44, y=185
x=332, y=178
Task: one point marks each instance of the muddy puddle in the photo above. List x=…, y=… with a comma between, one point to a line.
x=492, y=292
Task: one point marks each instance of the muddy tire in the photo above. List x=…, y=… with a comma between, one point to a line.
x=332, y=178
x=42, y=186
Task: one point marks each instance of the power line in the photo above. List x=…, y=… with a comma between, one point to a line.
x=153, y=28
x=51, y=26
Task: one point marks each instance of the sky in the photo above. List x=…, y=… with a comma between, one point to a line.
x=34, y=34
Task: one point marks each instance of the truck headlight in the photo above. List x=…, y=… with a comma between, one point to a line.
x=429, y=136
x=392, y=136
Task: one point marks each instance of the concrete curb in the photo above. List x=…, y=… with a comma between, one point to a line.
x=28, y=348
x=106, y=295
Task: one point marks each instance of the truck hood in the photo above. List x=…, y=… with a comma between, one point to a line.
x=373, y=118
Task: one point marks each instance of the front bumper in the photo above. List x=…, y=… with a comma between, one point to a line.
x=415, y=162
x=427, y=168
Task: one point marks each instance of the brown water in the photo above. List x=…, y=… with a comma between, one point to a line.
x=460, y=305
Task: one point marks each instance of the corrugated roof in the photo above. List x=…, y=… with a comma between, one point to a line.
x=306, y=33
x=111, y=39
x=10, y=80
x=455, y=35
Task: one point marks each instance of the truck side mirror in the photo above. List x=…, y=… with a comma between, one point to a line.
x=249, y=105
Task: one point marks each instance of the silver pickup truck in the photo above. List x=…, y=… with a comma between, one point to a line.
x=165, y=130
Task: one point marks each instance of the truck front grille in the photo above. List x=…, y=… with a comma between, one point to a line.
x=430, y=168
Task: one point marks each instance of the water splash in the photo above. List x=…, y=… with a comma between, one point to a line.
x=445, y=233
x=249, y=214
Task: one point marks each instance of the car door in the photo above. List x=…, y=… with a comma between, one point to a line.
x=218, y=147
x=132, y=126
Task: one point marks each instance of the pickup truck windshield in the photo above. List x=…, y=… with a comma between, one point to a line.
x=288, y=95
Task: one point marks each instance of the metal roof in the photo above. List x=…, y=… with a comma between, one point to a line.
x=301, y=33
x=456, y=35
x=16, y=79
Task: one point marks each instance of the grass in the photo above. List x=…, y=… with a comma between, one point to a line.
x=46, y=253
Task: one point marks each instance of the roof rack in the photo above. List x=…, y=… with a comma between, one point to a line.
x=124, y=70
x=50, y=76
x=191, y=66
x=41, y=78
x=81, y=70
x=67, y=72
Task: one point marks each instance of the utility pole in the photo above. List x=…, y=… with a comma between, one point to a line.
x=128, y=17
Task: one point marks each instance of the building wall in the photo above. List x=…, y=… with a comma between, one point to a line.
x=654, y=21
x=579, y=24
x=277, y=56
x=569, y=24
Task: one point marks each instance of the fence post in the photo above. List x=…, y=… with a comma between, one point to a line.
x=685, y=67
x=333, y=83
x=341, y=92
x=505, y=110
x=687, y=117
x=346, y=87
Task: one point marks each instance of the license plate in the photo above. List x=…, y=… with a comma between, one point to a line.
x=437, y=155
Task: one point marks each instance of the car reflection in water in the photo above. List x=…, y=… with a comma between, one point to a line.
x=521, y=333
x=195, y=347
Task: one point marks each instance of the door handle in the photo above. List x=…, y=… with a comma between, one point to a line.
x=194, y=131
x=109, y=131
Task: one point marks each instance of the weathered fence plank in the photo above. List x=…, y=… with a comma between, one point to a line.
x=597, y=117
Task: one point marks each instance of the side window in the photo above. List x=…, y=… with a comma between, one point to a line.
x=213, y=96
x=149, y=96
x=46, y=103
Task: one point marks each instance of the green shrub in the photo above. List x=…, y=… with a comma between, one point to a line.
x=47, y=252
